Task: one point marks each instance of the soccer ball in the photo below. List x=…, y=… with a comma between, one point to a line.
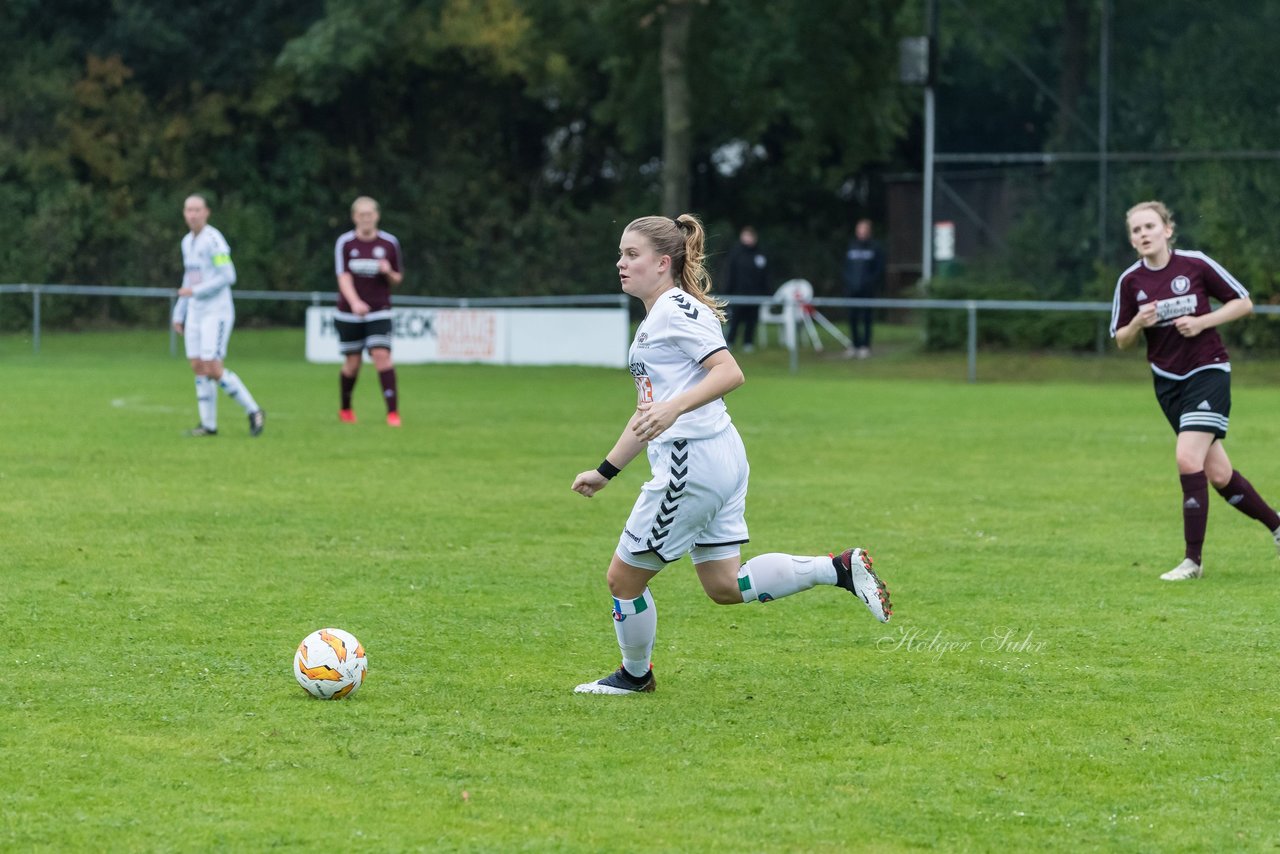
x=330, y=664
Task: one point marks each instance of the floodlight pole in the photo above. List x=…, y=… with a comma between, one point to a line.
x=926, y=243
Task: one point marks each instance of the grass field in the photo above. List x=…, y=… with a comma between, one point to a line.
x=1037, y=689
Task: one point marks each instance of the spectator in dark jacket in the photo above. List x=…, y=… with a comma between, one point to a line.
x=745, y=274
x=863, y=275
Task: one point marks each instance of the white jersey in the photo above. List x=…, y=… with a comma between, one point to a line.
x=666, y=359
x=208, y=271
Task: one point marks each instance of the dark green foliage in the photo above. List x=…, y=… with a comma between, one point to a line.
x=507, y=141
x=1165, y=98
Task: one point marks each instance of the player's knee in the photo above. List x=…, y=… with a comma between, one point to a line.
x=725, y=596
x=1190, y=464
x=1189, y=461
x=623, y=585
x=721, y=589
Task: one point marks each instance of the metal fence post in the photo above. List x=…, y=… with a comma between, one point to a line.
x=35, y=319
x=789, y=324
x=972, y=307
x=173, y=333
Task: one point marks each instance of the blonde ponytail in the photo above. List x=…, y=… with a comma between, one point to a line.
x=684, y=240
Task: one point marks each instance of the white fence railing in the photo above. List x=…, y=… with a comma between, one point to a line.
x=793, y=313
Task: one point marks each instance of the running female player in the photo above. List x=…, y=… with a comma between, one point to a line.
x=695, y=500
x=1165, y=295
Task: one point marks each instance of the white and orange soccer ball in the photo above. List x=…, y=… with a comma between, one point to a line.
x=330, y=664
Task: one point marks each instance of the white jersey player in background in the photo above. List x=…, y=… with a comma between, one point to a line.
x=695, y=501
x=205, y=315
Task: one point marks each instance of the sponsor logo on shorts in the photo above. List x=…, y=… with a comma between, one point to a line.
x=630, y=536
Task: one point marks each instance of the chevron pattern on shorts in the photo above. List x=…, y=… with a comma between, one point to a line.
x=679, y=471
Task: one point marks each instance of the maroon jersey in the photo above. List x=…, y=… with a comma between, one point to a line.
x=361, y=259
x=1180, y=288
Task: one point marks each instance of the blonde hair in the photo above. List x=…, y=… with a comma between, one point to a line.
x=684, y=240
x=1166, y=216
x=370, y=199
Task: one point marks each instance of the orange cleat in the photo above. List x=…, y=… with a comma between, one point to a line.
x=393, y=419
x=347, y=416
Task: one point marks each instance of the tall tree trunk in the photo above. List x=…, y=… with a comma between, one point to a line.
x=1075, y=34
x=677, y=121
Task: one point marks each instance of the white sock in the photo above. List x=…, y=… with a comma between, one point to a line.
x=236, y=390
x=636, y=622
x=772, y=576
x=207, y=402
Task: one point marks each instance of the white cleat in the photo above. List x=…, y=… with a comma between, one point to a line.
x=854, y=573
x=1182, y=572
x=618, y=683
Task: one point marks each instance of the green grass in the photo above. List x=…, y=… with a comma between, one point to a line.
x=1038, y=688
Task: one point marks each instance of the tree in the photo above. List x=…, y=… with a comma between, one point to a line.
x=677, y=118
x=505, y=138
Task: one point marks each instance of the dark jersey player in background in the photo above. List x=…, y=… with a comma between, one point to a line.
x=367, y=262
x=1165, y=295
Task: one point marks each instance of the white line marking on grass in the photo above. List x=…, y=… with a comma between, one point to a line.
x=136, y=404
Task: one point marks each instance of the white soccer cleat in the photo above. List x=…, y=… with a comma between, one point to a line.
x=854, y=573
x=618, y=683
x=1182, y=572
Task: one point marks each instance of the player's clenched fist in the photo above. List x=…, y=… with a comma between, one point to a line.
x=589, y=483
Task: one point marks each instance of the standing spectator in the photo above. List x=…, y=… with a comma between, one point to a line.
x=367, y=263
x=1164, y=296
x=863, y=275
x=695, y=502
x=204, y=315
x=745, y=275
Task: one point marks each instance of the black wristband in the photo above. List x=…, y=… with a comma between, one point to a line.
x=608, y=469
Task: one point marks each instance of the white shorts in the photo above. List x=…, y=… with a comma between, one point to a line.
x=206, y=335
x=695, y=503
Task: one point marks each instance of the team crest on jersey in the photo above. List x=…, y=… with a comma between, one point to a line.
x=1181, y=284
x=379, y=252
x=355, y=253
